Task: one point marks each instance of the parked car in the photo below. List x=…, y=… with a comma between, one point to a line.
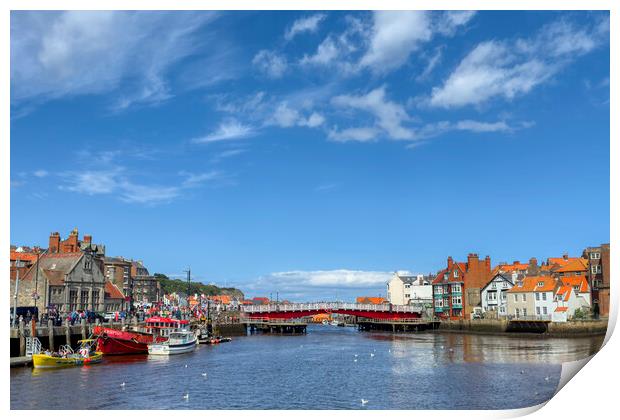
x=109, y=316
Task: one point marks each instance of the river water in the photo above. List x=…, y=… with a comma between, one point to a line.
x=328, y=368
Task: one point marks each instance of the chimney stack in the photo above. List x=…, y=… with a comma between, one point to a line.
x=88, y=239
x=450, y=262
x=54, y=244
x=565, y=256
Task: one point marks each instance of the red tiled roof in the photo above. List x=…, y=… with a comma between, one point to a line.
x=113, y=291
x=565, y=292
x=439, y=277
x=574, y=264
x=561, y=309
x=580, y=281
x=225, y=299
x=530, y=284
x=23, y=256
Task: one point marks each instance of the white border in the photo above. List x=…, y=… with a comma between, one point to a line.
x=589, y=394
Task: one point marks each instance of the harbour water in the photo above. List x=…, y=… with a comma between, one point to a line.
x=328, y=368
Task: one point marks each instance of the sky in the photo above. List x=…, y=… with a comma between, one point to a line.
x=311, y=154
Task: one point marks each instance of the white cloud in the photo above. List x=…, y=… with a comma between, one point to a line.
x=360, y=134
x=505, y=69
x=40, y=173
x=271, y=64
x=326, y=53
x=227, y=130
x=286, y=116
x=432, y=63
x=450, y=21
x=482, y=127
x=389, y=116
x=347, y=279
x=395, y=35
x=115, y=181
x=308, y=24
x=442, y=127
x=56, y=54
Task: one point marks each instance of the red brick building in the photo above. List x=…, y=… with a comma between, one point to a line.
x=456, y=289
x=598, y=278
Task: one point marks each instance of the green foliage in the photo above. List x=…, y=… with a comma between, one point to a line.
x=579, y=314
x=177, y=285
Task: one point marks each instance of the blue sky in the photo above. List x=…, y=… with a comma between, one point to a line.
x=311, y=153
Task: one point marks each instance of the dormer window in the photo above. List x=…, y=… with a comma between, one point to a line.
x=540, y=284
x=87, y=263
x=456, y=273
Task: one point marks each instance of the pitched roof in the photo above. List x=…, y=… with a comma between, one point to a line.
x=574, y=264
x=561, y=309
x=565, y=292
x=113, y=291
x=506, y=268
x=579, y=281
x=54, y=267
x=439, y=277
x=495, y=276
x=23, y=256
x=225, y=299
x=532, y=284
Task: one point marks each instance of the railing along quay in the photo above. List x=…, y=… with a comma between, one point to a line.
x=331, y=306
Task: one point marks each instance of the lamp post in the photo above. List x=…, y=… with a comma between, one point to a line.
x=18, y=264
x=189, y=274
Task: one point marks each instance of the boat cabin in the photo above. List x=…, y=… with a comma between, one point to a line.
x=163, y=327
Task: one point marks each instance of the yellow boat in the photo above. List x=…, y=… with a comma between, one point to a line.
x=67, y=358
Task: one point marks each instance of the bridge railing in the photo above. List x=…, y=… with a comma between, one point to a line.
x=331, y=306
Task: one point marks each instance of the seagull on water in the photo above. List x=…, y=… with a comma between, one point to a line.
x=186, y=397
x=355, y=360
x=123, y=385
x=547, y=378
x=522, y=372
x=185, y=365
x=372, y=355
x=364, y=402
x=356, y=355
x=204, y=374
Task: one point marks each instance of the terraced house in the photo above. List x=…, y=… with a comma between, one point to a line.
x=532, y=298
x=456, y=289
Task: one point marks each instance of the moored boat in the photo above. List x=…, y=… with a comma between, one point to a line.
x=66, y=357
x=180, y=341
x=115, y=342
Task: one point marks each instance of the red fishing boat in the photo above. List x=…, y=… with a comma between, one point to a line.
x=112, y=341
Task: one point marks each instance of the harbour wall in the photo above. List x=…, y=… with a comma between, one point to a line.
x=550, y=329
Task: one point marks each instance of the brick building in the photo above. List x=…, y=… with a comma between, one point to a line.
x=598, y=278
x=118, y=271
x=21, y=259
x=456, y=289
x=146, y=289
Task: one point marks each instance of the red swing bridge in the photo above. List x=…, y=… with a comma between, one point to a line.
x=288, y=318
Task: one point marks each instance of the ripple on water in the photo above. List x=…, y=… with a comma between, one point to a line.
x=316, y=371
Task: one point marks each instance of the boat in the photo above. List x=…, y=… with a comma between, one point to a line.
x=66, y=357
x=214, y=340
x=116, y=342
x=180, y=341
x=325, y=322
x=334, y=323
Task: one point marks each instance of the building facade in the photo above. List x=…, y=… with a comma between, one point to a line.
x=405, y=289
x=146, y=290
x=598, y=278
x=532, y=298
x=494, y=295
x=118, y=271
x=456, y=289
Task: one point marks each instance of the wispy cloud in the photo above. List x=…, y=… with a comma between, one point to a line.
x=40, y=173
x=507, y=69
x=307, y=24
x=57, y=54
x=270, y=63
x=389, y=116
x=116, y=181
x=228, y=130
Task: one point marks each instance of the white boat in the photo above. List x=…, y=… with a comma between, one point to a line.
x=179, y=341
x=334, y=323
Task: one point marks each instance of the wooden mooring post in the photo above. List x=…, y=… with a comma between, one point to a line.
x=22, y=338
x=67, y=332
x=50, y=334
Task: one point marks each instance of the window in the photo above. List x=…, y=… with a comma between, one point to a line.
x=456, y=288
x=503, y=296
x=541, y=284
x=456, y=300
x=595, y=255
x=87, y=263
x=517, y=312
x=456, y=273
x=537, y=296
x=544, y=310
x=538, y=310
x=544, y=296
x=596, y=269
x=524, y=297
x=524, y=311
x=516, y=297
x=407, y=295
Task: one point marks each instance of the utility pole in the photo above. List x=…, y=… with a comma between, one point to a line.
x=189, y=275
x=35, y=295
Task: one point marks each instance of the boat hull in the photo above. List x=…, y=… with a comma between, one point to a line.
x=43, y=361
x=165, y=349
x=115, y=342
